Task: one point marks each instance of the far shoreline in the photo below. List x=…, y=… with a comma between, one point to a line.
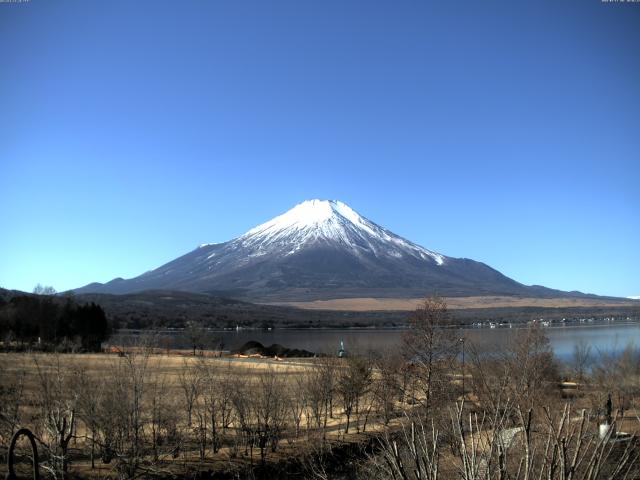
x=513, y=325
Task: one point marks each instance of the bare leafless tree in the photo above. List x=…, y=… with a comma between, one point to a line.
x=319, y=389
x=58, y=403
x=559, y=448
x=387, y=386
x=242, y=400
x=214, y=398
x=297, y=401
x=200, y=338
x=12, y=403
x=535, y=372
x=163, y=419
x=582, y=358
x=39, y=289
x=353, y=382
x=271, y=409
x=431, y=345
x=315, y=395
x=121, y=414
x=618, y=375
x=190, y=381
x=90, y=390
x=521, y=372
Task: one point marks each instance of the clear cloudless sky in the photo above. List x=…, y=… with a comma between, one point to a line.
x=503, y=131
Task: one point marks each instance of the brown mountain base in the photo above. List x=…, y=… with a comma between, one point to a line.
x=454, y=303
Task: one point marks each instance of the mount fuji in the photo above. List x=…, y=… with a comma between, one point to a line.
x=321, y=249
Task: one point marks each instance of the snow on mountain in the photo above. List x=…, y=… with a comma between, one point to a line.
x=634, y=297
x=320, y=249
x=329, y=221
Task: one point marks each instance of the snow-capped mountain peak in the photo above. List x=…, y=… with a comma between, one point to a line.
x=307, y=214
x=317, y=250
x=330, y=222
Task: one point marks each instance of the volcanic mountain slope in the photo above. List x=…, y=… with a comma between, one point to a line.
x=321, y=249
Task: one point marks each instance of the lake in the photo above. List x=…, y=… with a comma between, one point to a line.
x=602, y=337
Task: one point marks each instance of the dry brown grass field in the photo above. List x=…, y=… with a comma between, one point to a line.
x=246, y=380
x=454, y=303
x=146, y=413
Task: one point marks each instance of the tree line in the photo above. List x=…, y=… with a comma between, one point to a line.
x=46, y=321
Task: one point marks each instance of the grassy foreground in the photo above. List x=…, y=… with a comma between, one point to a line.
x=166, y=414
x=149, y=413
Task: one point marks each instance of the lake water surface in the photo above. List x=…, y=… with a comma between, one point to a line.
x=607, y=337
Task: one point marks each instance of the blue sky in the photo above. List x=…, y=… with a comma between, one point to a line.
x=506, y=132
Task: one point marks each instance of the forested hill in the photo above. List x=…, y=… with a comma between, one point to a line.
x=173, y=309
x=155, y=308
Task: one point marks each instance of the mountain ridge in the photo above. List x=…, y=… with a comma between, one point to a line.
x=321, y=249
